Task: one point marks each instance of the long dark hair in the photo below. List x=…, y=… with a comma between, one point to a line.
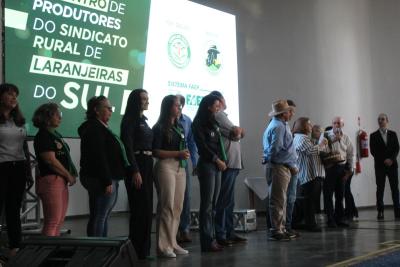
x=133, y=106
x=164, y=120
x=93, y=104
x=15, y=113
x=204, y=115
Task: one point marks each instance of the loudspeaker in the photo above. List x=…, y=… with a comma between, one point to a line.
x=74, y=252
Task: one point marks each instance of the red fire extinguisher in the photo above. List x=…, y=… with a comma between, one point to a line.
x=363, y=143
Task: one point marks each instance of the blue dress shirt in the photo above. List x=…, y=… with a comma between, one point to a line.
x=278, y=144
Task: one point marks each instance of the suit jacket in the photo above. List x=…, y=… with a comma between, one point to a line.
x=101, y=156
x=381, y=151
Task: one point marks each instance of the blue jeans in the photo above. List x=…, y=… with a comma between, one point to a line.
x=184, y=224
x=291, y=199
x=226, y=202
x=210, y=183
x=100, y=206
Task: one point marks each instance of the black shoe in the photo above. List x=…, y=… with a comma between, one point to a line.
x=279, y=237
x=213, y=248
x=380, y=215
x=292, y=233
x=224, y=242
x=237, y=239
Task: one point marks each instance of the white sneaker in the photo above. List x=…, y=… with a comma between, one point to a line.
x=167, y=254
x=180, y=251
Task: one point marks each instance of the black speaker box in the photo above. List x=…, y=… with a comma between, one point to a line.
x=74, y=252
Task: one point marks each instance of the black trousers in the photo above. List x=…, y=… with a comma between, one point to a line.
x=319, y=184
x=12, y=187
x=351, y=209
x=311, y=194
x=392, y=174
x=334, y=184
x=141, y=207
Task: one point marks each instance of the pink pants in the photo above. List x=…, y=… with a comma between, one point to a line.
x=53, y=191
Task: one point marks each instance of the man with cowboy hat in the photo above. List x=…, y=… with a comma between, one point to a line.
x=281, y=163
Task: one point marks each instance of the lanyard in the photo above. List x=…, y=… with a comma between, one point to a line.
x=221, y=143
x=182, y=162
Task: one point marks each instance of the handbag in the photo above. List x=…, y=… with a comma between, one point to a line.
x=331, y=158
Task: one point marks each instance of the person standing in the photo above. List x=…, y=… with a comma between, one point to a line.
x=280, y=159
x=56, y=169
x=292, y=188
x=137, y=137
x=316, y=134
x=103, y=164
x=184, y=224
x=169, y=147
x=385, y=148
x=14, y=163
x=310, y=168
x=224, y=226
x=212, y=160
x=337, y=174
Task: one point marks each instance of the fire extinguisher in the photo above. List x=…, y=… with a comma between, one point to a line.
x=363, y=143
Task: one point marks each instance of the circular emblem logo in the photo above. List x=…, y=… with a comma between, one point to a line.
x=58, y=145
x=179, y=50
x=213, y=58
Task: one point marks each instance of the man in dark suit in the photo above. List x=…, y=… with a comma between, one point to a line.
x=384, y=148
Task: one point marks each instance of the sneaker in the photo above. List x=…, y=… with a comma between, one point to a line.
x=167, y=254
x=279, y=237
x=180, y=251
x=292, y=233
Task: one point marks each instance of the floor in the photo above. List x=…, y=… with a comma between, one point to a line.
x=331, y=246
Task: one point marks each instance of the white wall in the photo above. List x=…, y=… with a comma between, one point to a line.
x=336, y=57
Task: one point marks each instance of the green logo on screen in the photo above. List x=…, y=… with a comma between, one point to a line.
x=213, y=61
x=179, y=51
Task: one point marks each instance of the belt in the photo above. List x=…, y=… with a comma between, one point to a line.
x=14, y=162
x=143, y=152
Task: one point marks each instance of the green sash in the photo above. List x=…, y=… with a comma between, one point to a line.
x=71, y=167
x=122, y=147
x=221, y=143
x=182, y=162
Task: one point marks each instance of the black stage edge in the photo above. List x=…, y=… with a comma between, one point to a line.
x=75, y=251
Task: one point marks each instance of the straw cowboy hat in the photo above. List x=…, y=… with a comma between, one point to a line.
x=279, y=107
